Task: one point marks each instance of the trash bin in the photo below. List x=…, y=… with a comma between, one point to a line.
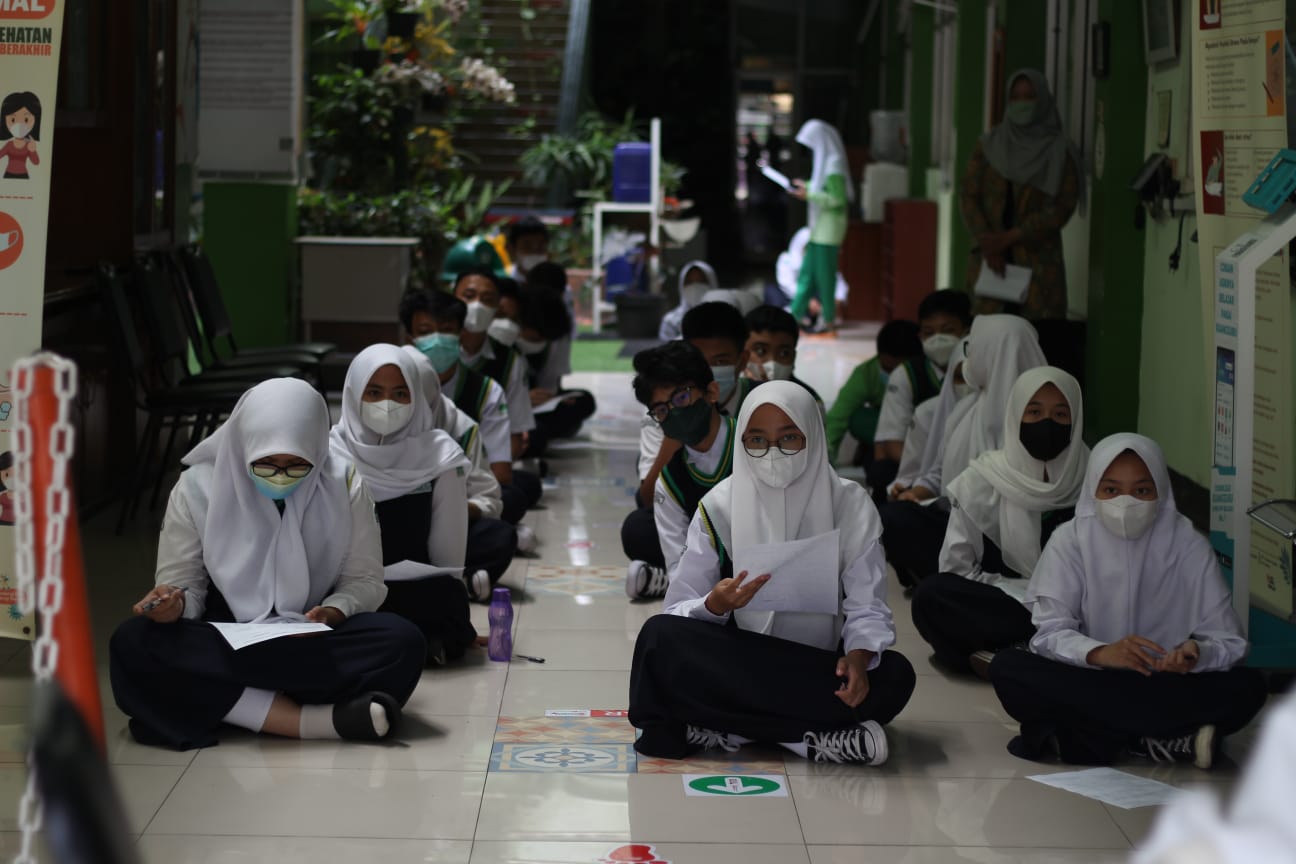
x=639, y=315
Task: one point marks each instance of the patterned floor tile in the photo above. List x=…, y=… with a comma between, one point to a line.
x=553, y=579
x=568, y=757
x=567, y=730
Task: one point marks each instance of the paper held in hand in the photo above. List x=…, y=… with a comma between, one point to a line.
x=804, y=574
x=777, y=176
x=1012, y=287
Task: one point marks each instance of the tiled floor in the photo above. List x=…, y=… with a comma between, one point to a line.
x=481, y=775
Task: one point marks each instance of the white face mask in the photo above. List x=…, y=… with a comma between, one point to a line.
x=19, y=129
x=939, y=347
x=1127, y=516
x=479, y=317
x=775, y=371
x=526, y=346
x=526, y=262
x=387, y=416
x=692, y=294
x=777, y=469
x=505, y=331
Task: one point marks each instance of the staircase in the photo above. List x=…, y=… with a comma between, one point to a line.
x=525, y=40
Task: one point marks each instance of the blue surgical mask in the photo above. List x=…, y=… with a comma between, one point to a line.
x=441, y=350
x=276, y=488
x=726, y=377
x=885, y=376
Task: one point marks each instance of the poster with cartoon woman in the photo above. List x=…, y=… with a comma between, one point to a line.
x=6, y=488
x=20, y=117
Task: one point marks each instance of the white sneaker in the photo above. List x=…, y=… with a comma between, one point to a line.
x=709, y=739
x=865, y=744
x=645, y=582
x=479, y=586
x=526, y=540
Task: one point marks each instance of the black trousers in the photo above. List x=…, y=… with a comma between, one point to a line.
x=1095, y=714
x=880, y=474
x=562, y=422
x=492, y=543
x=959, y=617
x=520, y=495
x=178, y=681
x=639, y=538
x=688, y=672
x=438, y=606
x=912, y=536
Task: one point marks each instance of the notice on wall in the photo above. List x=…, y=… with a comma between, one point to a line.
x=30, y=37
x=1240, y=122
x=250, y=55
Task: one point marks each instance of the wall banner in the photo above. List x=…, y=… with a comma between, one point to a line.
x=31, y=34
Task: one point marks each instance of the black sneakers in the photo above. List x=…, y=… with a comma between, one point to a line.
x=645, y=582
x=1196, y=747
x=865, y=744
x=709, y=739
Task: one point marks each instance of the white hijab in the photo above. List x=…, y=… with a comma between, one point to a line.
x=745, y=512
x=998, y=350
x=263, y=563
x=1159, y=586
x=688, y=301
x=1003, y=491
x=417, y=453
x=950, y=408
x=829, y=159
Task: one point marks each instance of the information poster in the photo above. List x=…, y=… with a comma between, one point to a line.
x=1240, y=120
x=30, y=35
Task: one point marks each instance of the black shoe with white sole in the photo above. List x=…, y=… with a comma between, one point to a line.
x=1196, y=747
x=865, y=744
x=645, y=582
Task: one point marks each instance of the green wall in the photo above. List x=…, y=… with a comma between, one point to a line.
x=1026, y=23
x=248, y=229
x=969, y=115
x=920, y=98
x=1115, y=248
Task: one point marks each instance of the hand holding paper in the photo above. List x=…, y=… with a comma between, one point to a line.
x=804, y=574
x=1012, y=287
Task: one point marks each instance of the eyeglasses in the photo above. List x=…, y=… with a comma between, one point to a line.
x=659, y=411
x=758, y=445
x=265, y=470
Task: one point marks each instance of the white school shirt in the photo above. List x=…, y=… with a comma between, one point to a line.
x=480, y=486
x=516, y=391
x=898, y=407
x=962, y=551
x=557, y=364
x=359, y=586
x=494, y=425
x=916, y=442
x=867, y=626
x=651, y=435
x=671, y=520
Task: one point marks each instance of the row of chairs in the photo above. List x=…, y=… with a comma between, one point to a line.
x=185, y=366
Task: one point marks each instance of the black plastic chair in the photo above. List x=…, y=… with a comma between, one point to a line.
x=170, y=408
x=214, y=314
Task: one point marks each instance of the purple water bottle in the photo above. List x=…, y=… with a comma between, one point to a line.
x=501, y=626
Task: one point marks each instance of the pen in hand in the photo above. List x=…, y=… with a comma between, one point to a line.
x=158, y=601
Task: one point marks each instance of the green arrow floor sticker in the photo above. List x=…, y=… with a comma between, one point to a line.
x=735, y=785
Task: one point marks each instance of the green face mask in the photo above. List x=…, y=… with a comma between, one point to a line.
x=689, y=425
x=1021, y=113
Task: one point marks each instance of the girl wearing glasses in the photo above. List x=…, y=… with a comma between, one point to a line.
x=712, y=672
x=266, y=525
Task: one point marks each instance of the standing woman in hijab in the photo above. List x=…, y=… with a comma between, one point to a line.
x=774, y=676
x=266, y=525
x=1137, y=647
x=827, y=192
x=1021, y=186
x=1003, y=509
x=417, y=474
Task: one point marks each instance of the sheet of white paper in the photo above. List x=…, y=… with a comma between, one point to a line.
x=243, y=635
x=1110, y=786
x=777, y=176
x=546, y=407
x=804, y=574
x=410, y=571
x=1011, y=287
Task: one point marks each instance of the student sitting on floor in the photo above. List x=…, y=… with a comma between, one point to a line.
x=492, y=542
x=821, y=683
x=266, y=524
x=859, y=402
x=416, y=473
x=674, y=383
x=696, y=278
x=998, y=350
x=1003, y=509
x=943, y=321
x=434, y=321
x=1137, y=646
x=772, y=347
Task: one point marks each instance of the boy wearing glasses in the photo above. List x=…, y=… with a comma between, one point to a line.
x=677, y=386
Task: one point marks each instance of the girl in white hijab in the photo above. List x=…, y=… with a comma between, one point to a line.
x=778, y=674
x=1136, y=645
x=266, y=526
x=998, y=350
x=696, y=278
x=828, y=191
x=418, y=476
x=1003, y=509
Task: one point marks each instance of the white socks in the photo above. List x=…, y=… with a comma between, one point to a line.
x=251, y=709
x=317, y=722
